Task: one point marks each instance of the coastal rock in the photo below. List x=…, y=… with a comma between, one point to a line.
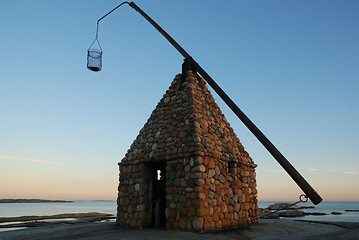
x=315, y=213
x=336, y=213
x=292, y=213
x=277, y=206
x=77, y=216
x=306, y=207
x=267, y=214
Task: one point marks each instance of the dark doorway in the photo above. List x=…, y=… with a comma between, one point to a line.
x=159, y=194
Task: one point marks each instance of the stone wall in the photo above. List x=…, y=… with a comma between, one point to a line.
x=209, y=179
x=202, y=194
x=133, y=204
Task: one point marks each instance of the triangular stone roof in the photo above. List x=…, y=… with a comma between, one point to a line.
x=187, y=122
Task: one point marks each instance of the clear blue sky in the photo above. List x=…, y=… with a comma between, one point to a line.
x=291, y=66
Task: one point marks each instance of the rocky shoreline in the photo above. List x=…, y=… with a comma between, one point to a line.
x=67, y=218
x=275, y=211
x=267, y=229
x=93, y=225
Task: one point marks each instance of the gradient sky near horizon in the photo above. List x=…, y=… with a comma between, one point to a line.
x=291, y=66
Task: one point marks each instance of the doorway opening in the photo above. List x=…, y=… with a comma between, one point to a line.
x=159, y=194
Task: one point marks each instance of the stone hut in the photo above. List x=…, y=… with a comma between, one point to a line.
x=187, y=169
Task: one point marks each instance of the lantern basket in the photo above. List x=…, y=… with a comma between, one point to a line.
x=94, y=55
x=94, y=59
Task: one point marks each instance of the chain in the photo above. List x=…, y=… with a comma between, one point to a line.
x=302, y=199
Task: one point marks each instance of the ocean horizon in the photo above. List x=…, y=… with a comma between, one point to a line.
x=110, y=207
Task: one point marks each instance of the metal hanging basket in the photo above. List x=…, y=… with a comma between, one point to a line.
x=94, y=59
x=94, y=55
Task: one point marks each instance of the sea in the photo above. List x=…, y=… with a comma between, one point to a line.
x=52, y=208
x=38, y=209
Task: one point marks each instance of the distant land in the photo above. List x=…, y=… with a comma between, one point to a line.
x=31, y=201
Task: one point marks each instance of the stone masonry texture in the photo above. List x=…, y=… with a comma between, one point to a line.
x=210, y=180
